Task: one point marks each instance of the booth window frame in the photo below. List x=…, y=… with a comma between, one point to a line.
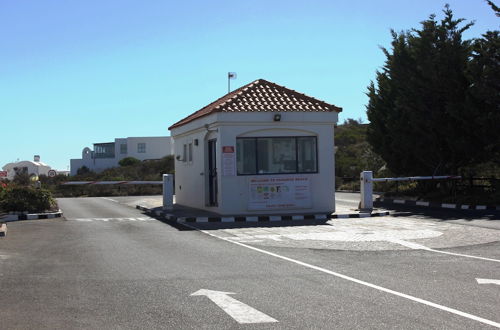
x=295, y=139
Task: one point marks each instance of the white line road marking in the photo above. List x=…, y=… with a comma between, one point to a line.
x=410, y=245
x=110, y=199
x=355, y=280
x=242, y=313
x=416, y=246
x=352, y=201
x=112, y=219
x=487, y=281
x=463, y=255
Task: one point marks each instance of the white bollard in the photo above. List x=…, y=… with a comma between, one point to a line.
x=366, y=191
x=168, y=191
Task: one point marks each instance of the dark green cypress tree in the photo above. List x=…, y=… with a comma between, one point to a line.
x=484, y=94
x=419, y=120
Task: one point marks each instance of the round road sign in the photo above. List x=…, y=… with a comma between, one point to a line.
x=52, y=173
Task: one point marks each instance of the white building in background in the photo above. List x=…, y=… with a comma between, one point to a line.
x=35, y=167
x=261, y=149
x=107, y=155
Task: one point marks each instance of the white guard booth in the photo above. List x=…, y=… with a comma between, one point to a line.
x=261, y=149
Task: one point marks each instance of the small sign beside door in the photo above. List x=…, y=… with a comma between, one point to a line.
x=228, y=161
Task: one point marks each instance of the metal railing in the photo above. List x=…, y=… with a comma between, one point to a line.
x=79, y=183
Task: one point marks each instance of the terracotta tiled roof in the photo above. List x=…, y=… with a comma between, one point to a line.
x=261, y=96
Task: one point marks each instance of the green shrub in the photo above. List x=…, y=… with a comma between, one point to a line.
x=83, y=170
x=19, y=199
x=3, y=188
x=128, y=161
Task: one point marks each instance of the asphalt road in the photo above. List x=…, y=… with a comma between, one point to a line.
x=107, y=265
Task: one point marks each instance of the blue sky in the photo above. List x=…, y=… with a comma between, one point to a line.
x=73, y=73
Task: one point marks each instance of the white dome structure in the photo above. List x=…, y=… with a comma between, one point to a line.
x=35, y=167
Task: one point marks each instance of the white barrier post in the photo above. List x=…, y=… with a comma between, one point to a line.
x=366, y=191
x=168, y=192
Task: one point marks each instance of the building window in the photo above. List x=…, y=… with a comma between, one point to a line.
x=141, y=148
x=184, y=152
x=276, y=155
x=123, y=148
x=190, y=152
x=104, y=150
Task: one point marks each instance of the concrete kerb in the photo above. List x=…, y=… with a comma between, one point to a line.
x=437, y=205
x=273, y=218
x=31, y=216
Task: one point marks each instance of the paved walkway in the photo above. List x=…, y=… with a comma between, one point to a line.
x=362, y=234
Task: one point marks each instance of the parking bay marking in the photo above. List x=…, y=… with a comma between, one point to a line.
x=355, y=280
x=487, y=281
x=239, y=311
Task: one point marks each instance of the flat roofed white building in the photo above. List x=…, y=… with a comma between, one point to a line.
x=261, y=149
x=108, y=154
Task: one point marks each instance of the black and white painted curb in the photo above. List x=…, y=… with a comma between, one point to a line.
x=31, y=216
x=269, y=218
x=437, y=205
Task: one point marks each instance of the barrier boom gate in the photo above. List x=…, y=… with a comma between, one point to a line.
x=367, y=180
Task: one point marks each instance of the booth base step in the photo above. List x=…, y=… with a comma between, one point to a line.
x=187, y=219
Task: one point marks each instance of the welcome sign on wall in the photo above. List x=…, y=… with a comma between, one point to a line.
x=283, y=192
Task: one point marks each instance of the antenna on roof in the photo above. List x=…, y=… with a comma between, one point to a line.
x=230, y=75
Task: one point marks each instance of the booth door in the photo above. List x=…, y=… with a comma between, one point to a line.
x=212, y=172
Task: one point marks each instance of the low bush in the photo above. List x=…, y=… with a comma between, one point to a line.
x=20, y=199
x=129, y=161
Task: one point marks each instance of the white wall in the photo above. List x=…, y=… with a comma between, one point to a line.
x=156, y=148
x=190, y=177
x=191, y=180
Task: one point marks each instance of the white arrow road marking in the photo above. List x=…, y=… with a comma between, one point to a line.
x=487, y=281
x=237, y=310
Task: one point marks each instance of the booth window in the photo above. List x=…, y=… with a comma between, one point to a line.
x=276, y=155
x=190, y=152
x=141, y=148
x=184, y=152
